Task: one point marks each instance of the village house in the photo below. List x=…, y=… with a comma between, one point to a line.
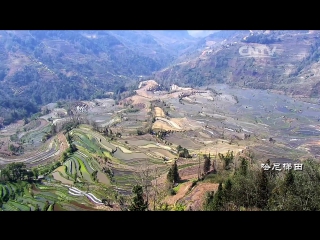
x=82, y=108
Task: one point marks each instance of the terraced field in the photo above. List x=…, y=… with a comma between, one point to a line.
x=37, y=152
x=202, y=123
x=44, y=195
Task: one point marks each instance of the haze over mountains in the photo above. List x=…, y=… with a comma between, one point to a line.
x=39, y=67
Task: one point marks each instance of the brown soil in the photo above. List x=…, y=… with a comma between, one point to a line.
x=192, y=198
x=56, y=207
x=63, y=142
x=140, y=100
x=82, y=206
x=159, y=112
x=106, y=208
x=162, y=125
x=195, y=198
x=171, y=200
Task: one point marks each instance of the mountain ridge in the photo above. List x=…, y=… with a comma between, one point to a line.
x=218, y=60
x=39, y=66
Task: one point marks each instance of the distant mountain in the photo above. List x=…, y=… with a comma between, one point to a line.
x=38, y=67
x=201, y=33
x=281, y=60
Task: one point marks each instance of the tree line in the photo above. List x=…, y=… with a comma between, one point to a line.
x=253, y=188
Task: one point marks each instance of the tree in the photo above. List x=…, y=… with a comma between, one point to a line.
x=69, y=138
x=46, y=206
x=26, y=121
x=73, y=148
x=64, y=156
x=94, y=175
x=36, y=208
x=173, y=174
x=243, y=166
x=297, y=190
x=59, y=104
x=35, y=172
x=183, y=152
x=17, y=171
x=207, y=164
x=227, y=159
x=138, y=203
x=218, y=199
x=29, y=175
x=289, y=181
x=156, y=187
x=179, y=148
x=140, y=132
x=143, y=178
x=214, y=167
x=214, y=200
x=227, y=190
x=208, y=202
x=5, y=174
x=170, y=176
x=109, y=196
x=53, y=129
x=106, y=132
x=75, y=176
x=263, y=193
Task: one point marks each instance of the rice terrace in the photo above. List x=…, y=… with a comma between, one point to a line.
x=161, y=147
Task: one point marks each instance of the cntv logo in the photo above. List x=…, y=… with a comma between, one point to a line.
x=257, y=51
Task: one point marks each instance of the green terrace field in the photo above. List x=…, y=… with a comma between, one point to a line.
x=98, y=157
x=23, y=196
x=96, y=152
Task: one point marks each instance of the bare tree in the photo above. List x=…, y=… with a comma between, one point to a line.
x=155, y=186
x=147, y=177
x=199, y=169
x=143, y=177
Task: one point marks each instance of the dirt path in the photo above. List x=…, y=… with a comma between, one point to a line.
x=195, y=198
x=172, y=124
x=192, y=199
x=171, y=200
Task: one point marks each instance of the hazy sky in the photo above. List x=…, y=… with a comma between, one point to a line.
x=201, y=33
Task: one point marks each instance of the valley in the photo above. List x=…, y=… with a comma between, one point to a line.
x=116, y=143
x=132, y=120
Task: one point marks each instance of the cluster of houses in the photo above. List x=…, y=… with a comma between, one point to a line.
x=82, y=108
x=153, y=88
x=183, y=94
x=174, y=87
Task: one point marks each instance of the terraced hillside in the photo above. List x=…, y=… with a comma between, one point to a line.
x=285, y=61
x=49, y=197
x=95, y=161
